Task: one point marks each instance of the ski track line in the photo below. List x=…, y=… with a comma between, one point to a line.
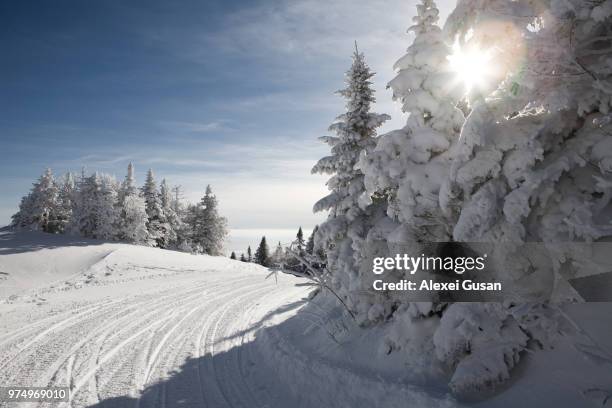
x=178, y=353
x=102, y=332
x=162, y=318
x=102, y=360
x=199, y=352
x=55, y=338
x=84, y=363
x=32, y=326
x=55, y=327
x=211, y=339
x=75, y=314
x=152, y=359
x=84, y=321
x=240, y=385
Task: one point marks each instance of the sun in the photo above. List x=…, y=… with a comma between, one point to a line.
x=471, y=65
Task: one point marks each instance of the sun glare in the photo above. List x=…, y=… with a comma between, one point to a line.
x=471, y=65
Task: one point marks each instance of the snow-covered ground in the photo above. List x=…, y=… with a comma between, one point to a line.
x=128, y=326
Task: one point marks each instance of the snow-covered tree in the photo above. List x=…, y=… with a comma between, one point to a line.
x=262, y=254
x=97, y=214
x=157, y=225
x=292, y=263
x=243, y=258
x=106, y=206
x=132, y=223
x=300, y=243
x=278, y=257
x=172, y=218
x=532, y=166
x=22, y=218
x=233, y=255
x=66, y=197
x=310, y=243
x=410, y=165
x=40, y=210
x=249, y=257
x=210, y=229
x=342, y=235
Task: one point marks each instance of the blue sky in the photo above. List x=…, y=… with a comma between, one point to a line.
x=231, y=93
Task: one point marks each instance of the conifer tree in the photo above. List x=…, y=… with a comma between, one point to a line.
x=22, y=219
x=172, y=219
x=249, y=254
x=345, y=229
x=66, y=196
x=300, y=243
x=97, y=213
x=210, y=228
x=39, y=209
x=106, y=211
x=44, y=207
x=310, y=243
x=233, y=255
x=132, y=224
x=278, y=257
x=262, y=254
x=157, y=225
x=242, y=258
x=409, y=165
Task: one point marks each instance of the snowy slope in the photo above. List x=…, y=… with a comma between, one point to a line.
x=128, y=326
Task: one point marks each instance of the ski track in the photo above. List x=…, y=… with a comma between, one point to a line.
x=120, y=346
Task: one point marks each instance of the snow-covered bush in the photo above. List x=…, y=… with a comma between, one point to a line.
x=481, y=342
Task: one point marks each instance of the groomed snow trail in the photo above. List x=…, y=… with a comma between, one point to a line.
x=119, y=346
x=141, y=327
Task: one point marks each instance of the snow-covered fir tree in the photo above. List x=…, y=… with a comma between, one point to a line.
x=262, y=254
x=410, y=165
x=343, y=234
x=292, y=263
x=210, y=228
x=97, y=214
x=233, y=255
x=533, y=165
x=157, y=224
x=106, y=208
x=41, y=210
x=249, y=256
x=66, y=197
x=310, y=243
x=300, y=243
x=242, y=258
x=132, y=224
x=278, y=257
x=22, y=218
x=172, y=218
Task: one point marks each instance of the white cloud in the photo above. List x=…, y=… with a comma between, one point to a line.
x=196, y=127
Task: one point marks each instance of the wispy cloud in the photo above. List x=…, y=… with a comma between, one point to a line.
x=197, y=127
